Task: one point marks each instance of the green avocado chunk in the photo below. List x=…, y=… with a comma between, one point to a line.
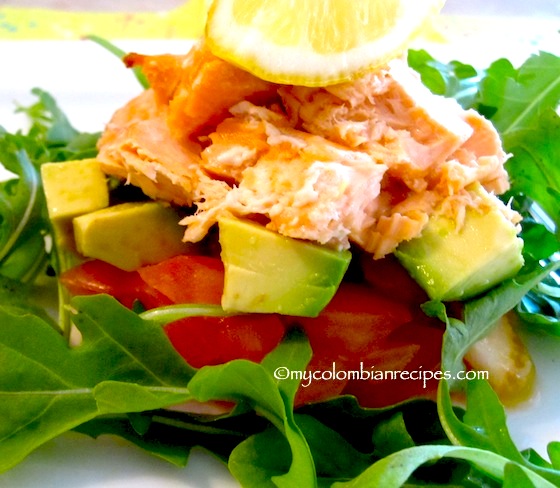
x=266, y=272
x=453, y=264
x=72, y=188
x=130, y=235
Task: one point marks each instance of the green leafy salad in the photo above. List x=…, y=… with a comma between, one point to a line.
x=124, y=373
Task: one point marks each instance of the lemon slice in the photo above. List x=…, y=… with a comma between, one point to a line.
x=314, y=42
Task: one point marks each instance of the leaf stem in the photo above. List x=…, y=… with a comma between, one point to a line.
x=171, y=313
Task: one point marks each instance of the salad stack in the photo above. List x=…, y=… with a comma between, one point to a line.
x=302, y=261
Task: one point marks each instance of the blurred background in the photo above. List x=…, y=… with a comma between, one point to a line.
x=525, y=8
x=532, y=8
x=515, y=27
x=103, y=5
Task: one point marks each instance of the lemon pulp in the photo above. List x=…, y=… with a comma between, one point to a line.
x=314, y=42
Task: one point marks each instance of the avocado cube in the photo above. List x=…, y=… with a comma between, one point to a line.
x=266, y=272
x=73, y=188
x=453, y=264
x=130, y=235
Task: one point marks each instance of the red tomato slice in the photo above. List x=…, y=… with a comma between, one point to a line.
x=210, y=340
x=320, y=381
x=354, y=322
x=187, y=278
x=184, y=279
x=93, y=277
x=375, y=324
x=206, y=341
x=409, y=356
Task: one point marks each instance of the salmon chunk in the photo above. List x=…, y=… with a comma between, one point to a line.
x=137, y=146
x=362, y=163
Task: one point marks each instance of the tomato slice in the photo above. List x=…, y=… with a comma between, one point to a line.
x=354, y=322
x=94, y=277
x=320, y=381
x=187, y=278
x=372, y=326
x=206, y=341
x=210, y=340
x=357, y=322
x=404, y=366
x=184, y=279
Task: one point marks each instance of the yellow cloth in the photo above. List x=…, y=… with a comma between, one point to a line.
x=184, y=22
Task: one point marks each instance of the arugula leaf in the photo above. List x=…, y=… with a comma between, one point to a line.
x=51, y=137
x=170, y=435
x=257, y=461
x=392, y=435
x=484, y=427
x=364, y=426
x=454, y=80
x=527, y=116
x=24, y=224
x=538, y=242
x=554, y=454
x=14, y=295
x=482, y=432
x=520, y=97
x=47, y=388
x=515, y=477
x=393, y=471
x=158, y=442
x=255, y=384
x=478, y=432
x=335, y=458
x=493, y=87
x=266, y=455
x=540, y=307
x=534, y=167
x=522, y=104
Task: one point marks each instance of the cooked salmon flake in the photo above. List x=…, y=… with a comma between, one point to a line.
x=362, y=163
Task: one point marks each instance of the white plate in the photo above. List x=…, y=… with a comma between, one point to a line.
x=90, y=84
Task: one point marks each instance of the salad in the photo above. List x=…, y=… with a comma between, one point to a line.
x=94, y=404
